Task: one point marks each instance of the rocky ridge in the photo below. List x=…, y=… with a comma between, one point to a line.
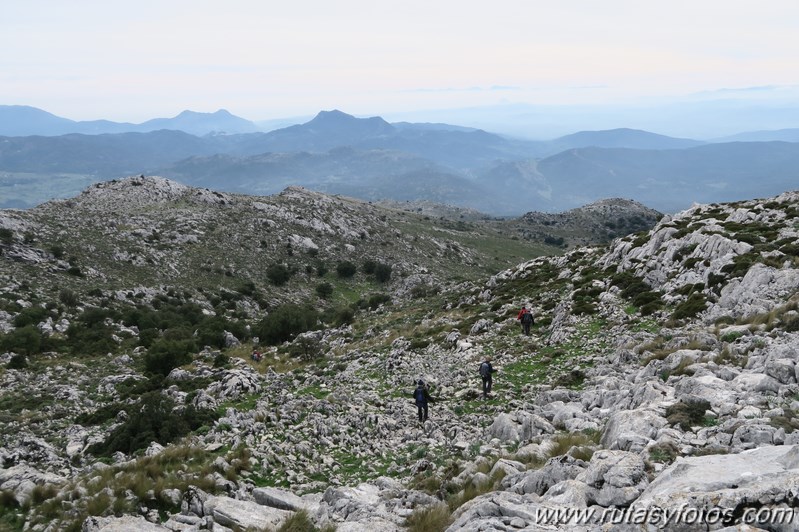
x=661, y=372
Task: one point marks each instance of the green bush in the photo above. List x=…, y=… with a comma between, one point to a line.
x=433, y=518
x=299, y=521
x=374, y=301
x=382, y=273
x=692, y=306
x=345, y=316
x=346, y=269
x=6, y=235
x=663, y=452
x=715, y=280
x=324, y=290
x=247, y=288
x=651, y=308
x=90, y=340
x=30, y=316
x=584, y=306
x=221, y=360
x=369, y=266
x=278, y=274
x=740, y=265
x=154, y=418
x=306, y=348
x=26, y=340
x=687, y=413
x=285, y=322
x=688, y=289
x=211, y=331
x=102, y=414
x=644, y=298
x=17, y=362
x=68, y=297
x=166, y=354
x=57, y=251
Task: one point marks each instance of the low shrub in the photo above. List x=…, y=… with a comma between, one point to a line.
x=368, y=266
x=324, y=290
x=300, y=521
x=692, y=306
x=30, y=316
x=374, y=301
x=306, y=348
x=17, y=362
x=433, y=518
x=687, y=413
x=383, y=272
x=346, y=269
x=166, y=354
x=154, y=418
x=278, y=274
x=343, y=316
x=665, y=452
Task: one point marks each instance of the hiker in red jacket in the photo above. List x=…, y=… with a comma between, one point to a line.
x=525, y=318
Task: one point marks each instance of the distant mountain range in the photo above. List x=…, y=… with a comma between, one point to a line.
x=21, y=120
x=372, y=159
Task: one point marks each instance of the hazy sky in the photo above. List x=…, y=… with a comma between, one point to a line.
x=133, y=60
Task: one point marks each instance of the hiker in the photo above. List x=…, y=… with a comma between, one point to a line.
x=520, y=314
x=526, y=317
x=256, y=355
x=422, y=395
x=486, y=369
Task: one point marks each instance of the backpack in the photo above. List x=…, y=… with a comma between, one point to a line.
x=418, y=394
x=485, y=369
x=527, y=317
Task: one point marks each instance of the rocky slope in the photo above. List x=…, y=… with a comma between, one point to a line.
x=150, y=231
x=661, y=373
x=597, y=222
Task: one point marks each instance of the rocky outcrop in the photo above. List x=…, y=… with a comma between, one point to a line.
x=752, y=483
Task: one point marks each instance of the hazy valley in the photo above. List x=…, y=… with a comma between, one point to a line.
x=371, y=159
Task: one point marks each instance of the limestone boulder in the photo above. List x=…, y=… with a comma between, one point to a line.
x=734, y=484
x=631, y=430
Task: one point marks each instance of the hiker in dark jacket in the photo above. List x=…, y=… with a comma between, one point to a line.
x=486, y=369
x=526, y=317
x=521, y=313
x=422, y=395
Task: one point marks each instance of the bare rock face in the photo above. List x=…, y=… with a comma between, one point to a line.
x=760, y=290
x=631, y=430
x=21, y=480
x=519, y=426
x=235, y=384
x=729, y=485
x=616, y=478
x=539, y=481
x=243, y=515
x=125, y=523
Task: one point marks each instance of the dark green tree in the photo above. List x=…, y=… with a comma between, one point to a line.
x=346, y=269
x=285, y=322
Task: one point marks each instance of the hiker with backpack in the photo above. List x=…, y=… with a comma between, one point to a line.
x=486, y=369
x=526, y=319
x=422, y=396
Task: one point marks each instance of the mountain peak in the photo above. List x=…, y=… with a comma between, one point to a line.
x=221, y=113
x=336, y=118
